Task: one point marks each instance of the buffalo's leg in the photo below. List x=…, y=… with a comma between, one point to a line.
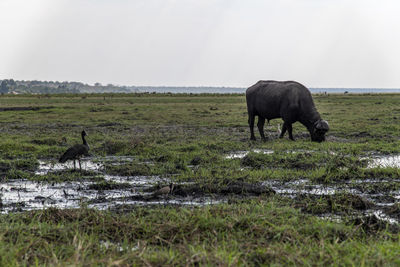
x=260, y=125
x=251, y=125
x=284, y=127
x=289, y=128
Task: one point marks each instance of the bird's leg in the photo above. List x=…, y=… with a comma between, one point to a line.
x=79, y=160
x=74, y=165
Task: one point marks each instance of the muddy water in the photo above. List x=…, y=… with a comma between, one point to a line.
x=20, y=195
x=89, y=164
x=377, y=191
x=303, y=186
x=380, y=200
x=392, y=161
x=27, y=195
x=241, y=154
x=383, y=161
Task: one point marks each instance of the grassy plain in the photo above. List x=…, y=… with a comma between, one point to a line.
x=168, y=133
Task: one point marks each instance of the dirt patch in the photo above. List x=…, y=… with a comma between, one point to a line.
x=109, y=124
x=238, y=188
x=197, y=160
x=367, y=135
x=25, y=108
x=47, y=141
x=362, y=134
x=332, y=138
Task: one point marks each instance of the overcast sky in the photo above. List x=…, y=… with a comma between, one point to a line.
x=320, y=43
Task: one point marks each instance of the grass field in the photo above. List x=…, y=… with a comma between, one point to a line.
x=275, y=203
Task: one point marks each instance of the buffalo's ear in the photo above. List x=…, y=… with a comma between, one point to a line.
x=322, y=125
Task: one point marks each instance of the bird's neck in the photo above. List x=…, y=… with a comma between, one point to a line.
x=84, y=141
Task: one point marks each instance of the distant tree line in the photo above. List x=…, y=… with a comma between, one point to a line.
x=10, y=86
x=50, y=87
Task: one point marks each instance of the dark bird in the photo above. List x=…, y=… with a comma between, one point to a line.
x=165, y=191
x=75, y=152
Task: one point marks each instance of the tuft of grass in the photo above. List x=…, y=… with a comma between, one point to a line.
x=327, y=204
x=108, y=185
x=113, y=147
x=130, y=169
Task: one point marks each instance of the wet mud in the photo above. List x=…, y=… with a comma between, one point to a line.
x=375, y=197
x=368, y=197
x=351, y=198
x=101, y=190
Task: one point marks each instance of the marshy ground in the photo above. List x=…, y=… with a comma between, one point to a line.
x=235, y=202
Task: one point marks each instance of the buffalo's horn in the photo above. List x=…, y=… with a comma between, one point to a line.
x=322, y=125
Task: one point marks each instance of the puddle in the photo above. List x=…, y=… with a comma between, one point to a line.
x=90, y=164
x=136, y=180
x=21, y=195
x=28, y=195
x=242, y=154
x=302, y=186
x=383, y=161
x=382, y=216
x=237, y=155
x=380, y=200
x=86, y=164
x=167, y=201
x=391, y=161
x=117, y=246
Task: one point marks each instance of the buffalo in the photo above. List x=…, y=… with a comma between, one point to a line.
x=288, y=100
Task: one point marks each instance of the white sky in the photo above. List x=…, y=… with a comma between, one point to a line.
x=320, y=43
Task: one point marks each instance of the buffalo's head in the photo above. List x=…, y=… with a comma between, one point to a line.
x=319, y=130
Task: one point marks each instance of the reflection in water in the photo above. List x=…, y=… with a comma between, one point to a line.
x=88, y=164
x=392, y=161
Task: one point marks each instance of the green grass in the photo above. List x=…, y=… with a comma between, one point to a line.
x=187, y=138
x=251, y=233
